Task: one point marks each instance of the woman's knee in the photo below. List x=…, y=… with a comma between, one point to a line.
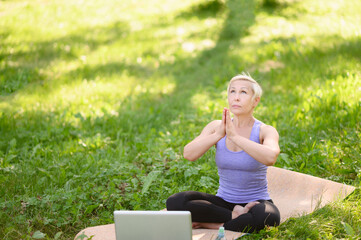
x=273, y=215
x=176, y=201
x=265, y=214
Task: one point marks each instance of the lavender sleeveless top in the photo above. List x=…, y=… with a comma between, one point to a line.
x=242, y=179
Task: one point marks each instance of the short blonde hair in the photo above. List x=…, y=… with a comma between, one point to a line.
x=256, y=88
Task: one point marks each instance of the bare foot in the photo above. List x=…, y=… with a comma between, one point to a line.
x=239, y=210
x=251, y=205
x=196, y=225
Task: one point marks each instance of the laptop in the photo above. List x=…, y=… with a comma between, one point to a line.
x=153, y=225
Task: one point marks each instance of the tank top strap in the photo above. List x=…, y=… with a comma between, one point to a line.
x=255, y=131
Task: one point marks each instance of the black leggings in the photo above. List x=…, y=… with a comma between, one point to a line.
x=208, y=208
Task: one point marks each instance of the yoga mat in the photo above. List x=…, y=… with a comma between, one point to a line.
x=107, y=232
x=295, y=194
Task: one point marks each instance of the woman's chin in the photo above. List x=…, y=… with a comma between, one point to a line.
x=235, y=111
x=239, y=112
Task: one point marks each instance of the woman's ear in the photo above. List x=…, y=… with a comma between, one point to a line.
x=256, y=101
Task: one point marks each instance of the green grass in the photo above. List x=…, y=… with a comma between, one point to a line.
x=97, y=100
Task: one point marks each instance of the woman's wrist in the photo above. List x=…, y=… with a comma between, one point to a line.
x=219, y=136
x=235, y=138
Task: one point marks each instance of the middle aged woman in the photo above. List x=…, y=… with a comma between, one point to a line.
x=244, y=148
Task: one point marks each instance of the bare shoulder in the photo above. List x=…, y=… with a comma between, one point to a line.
x=215, y=123
x=211, y=127
x=267, y=128
x=268, y=131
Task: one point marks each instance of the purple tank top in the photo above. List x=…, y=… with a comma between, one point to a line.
x=242, y=179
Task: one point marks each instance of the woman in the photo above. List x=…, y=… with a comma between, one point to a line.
x=244, y=148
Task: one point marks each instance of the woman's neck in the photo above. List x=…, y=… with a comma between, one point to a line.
x=241, y=121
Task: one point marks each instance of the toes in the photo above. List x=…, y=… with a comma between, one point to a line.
x=195, y=225
x=238, y=208
x=251, y=205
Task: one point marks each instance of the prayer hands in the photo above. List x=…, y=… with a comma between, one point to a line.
x=230, y=129
x=226, y=126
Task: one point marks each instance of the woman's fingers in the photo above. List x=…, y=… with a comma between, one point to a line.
x=230, y=129
x=224, y=116
x=228, y=116
x=228, y=119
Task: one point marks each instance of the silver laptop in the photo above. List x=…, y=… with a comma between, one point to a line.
x=149, y=225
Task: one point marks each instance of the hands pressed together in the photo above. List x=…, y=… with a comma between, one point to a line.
x=226, y=126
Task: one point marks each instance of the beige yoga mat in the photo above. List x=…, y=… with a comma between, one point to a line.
x=107, y=232
x=294, y=194
x=297, y=194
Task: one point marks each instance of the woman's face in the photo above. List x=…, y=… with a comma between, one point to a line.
x=240, y=97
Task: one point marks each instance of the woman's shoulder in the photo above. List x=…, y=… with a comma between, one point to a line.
x=212, y=125
x=265, y=127
x=215, y=122
x=265, y=130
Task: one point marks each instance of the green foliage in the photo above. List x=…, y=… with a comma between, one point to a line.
x=96, y=106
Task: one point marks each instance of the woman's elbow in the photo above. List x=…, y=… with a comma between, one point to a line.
x=272, y=158
x=271, y=162
x=188, y=156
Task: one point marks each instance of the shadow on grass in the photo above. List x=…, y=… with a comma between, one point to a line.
x=22, y=67
x=322, y=64
x=201, y=71
x=203, y=10
x=90, y=73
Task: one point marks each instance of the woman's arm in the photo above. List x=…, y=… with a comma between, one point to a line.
x=265, y=153
x=209, y=136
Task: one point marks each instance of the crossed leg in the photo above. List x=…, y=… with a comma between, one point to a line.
x=209, y=211
x=238, y=210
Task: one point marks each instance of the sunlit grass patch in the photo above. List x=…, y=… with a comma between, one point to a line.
x=295, y=27
x=75, y=31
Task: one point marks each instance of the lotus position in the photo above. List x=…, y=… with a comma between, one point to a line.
x=245, y=147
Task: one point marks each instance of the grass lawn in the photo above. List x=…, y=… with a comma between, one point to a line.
x=98, y=98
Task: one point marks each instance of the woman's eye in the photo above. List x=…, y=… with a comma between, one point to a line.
x=244, y=92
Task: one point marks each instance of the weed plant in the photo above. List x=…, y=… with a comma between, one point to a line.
x=98, y=98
